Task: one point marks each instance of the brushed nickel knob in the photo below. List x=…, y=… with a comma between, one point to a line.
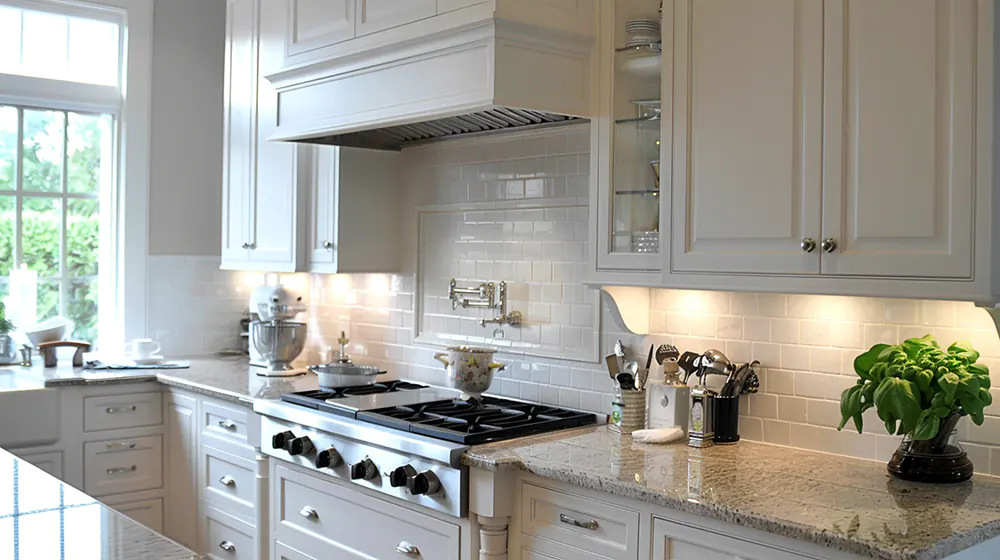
x=808, y=245
x=829, y=245
x=328, y=245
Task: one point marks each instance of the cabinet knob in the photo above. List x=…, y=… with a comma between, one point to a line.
x=328, y=245
x=808, y=245
x=251, y=246
x=228, y=481
x=227, y=425
x=245, y=246
x=227, y=546
x=829, y=245
x=308, y=513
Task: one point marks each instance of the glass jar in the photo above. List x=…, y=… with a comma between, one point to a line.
x=937, y=460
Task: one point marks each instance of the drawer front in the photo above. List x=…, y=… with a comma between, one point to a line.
x=227, y=538
x=359, y=525
x=582, y=523
x=125, y=465
x=282, y=551
x=228, y=478
x=229, y=422
x=122, y=411
x=677, y=541
x=147, y=512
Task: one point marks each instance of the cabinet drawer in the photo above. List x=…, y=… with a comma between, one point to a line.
x=677, y=541
x=226, y=537
x=147, y=512
x=282, y=551
x=225, y=421
x=583, y=523
x=122, y=411
x=125, y=465
x=326, y=514
x=228, y=478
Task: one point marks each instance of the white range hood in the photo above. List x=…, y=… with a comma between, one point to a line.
x=492, y=74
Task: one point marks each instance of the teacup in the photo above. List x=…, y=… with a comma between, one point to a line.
x=142, y=348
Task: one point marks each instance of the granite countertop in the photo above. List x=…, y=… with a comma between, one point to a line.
x=232, y=379
x=40, y=517
x=848, y=504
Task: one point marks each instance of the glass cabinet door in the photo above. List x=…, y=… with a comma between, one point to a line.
x=630, y=186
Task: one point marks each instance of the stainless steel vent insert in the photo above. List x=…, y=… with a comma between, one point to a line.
x=399, y=136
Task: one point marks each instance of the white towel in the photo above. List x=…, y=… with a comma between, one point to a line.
x=658, y=435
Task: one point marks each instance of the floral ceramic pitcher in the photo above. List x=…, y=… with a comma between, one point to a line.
x=470, y=370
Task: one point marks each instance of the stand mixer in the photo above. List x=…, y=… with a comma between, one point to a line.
x=276, y=339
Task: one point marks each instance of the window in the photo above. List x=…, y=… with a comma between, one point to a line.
x=67, y=120
x=54, y=166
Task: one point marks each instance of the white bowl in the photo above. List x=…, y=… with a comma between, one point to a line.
x=50, y=330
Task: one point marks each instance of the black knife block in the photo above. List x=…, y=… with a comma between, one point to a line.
x=727, y=419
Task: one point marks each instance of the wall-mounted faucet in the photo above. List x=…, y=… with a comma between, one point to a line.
x=486, y=296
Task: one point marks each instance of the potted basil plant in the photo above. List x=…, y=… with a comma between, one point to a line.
x=8, y=350
x=921, y=391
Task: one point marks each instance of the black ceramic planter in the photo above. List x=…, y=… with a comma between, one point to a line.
x=938, y=460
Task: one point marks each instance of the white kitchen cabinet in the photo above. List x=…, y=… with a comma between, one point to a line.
x=240, y=124
x=261, y=183
x=746, y=135
x=678, y=541
x=147, y=512
x=900, y=137
x=48, y=462
x=181, y=467
x=314, y=24
x=354, y=227
x=378, y=15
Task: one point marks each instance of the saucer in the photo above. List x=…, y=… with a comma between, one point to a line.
x=150, y=361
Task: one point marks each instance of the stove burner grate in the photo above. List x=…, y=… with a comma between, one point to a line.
x=317, y=399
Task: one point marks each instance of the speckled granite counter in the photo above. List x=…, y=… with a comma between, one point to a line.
x=844, y=503
x=41, y=517
x=224, y=378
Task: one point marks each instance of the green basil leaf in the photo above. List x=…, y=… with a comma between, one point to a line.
x=968, y=386
x=864, y=362
x=979, y=369
x=985, y=396
x=927, y=426
x=890, y=426
x=924, y=379
x=850, y=405
x=974, y=408
x=964, y=349
x=913, y=346
x=941, y=411
x=899, y=398
x=949, y=385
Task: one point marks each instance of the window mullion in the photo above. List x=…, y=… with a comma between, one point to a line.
x=19, y=188
x=63, y=238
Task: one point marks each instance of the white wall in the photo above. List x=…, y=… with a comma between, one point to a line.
x=185, y=199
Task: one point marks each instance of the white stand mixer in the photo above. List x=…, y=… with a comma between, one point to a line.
x=276, y=339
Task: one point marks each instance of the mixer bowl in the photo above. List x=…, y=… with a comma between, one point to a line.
x=278, y=342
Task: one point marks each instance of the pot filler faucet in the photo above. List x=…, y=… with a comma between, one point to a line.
x=486, y=296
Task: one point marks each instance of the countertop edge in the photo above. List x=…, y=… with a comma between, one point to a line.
x=942, y=549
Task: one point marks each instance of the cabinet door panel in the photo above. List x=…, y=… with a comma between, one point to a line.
x=747, y=132
x=182, y=468
x=313, y=24
x=901, y=81
x=239, y=127
x=676, y=541
x=378, y=15
x=324, y=201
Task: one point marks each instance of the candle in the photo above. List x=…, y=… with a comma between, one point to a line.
x=23, y=297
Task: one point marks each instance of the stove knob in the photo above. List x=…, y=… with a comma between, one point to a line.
x=365, y=470
x=329, y=459
x=425, y=483
x=399, y=476
x=300, y=446
x=280, y=441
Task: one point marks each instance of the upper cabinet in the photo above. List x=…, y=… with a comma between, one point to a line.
x=900, y=141
x=627, y=167
x=313, y=24
x=747, y=133
x=378, y=15
x=294, y=207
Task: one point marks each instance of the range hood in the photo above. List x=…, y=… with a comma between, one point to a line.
x=490, y=76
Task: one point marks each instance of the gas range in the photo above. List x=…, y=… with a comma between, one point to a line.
x=399, y=438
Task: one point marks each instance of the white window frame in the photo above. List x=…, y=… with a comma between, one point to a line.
x=124, y=246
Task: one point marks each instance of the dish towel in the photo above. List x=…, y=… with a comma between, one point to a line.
x=659, y=435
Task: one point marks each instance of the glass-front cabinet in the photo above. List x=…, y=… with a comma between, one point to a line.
x=628, y=147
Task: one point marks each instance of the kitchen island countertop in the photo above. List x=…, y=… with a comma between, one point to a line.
x=847, y=504
x=43, y=518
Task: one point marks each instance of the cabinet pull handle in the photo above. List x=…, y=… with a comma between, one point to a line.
x=122, y=470
x=407, y=549
x=120, y=409
x=227, y=424
x=829, y=245
x=309, y=513
x=328, y=245
x=120, y=444
x=592, y=525
x=227, y=546
x=808, y=245
x=228, y=481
